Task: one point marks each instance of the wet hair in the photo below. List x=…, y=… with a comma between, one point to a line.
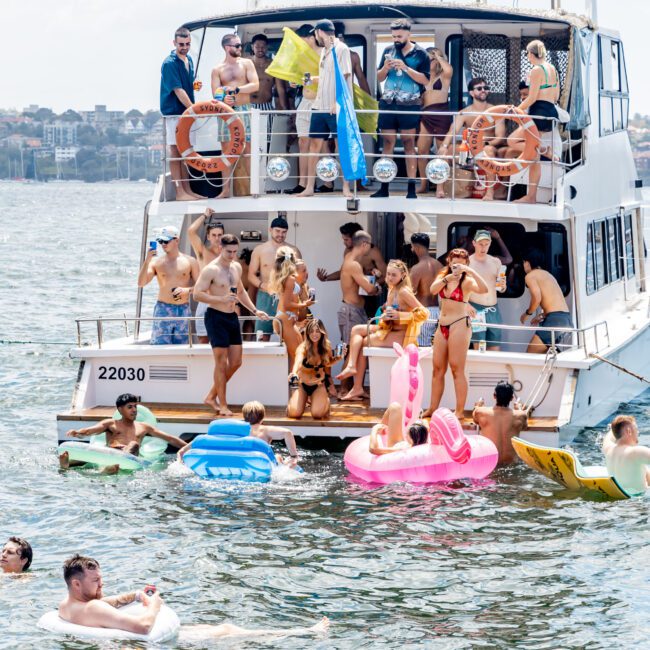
x=183, y=32
x=253, y=412
x=229, y=240
x=322, y=349
x=472, y=83
x=280, y=222
x=523, y=85
x=420, y=239
x=418, y=433
x=535, y=258
x=503, y=393
x=125, y=398
x=339, y=28
x=259, y=37
x=245, y=255
x=284, y=267
x=536, y=48
x=212, y=226
x=619, y=423
x=361, y=237
x=227, y=38
x=25, y=550
x=76, y=566
x=350, y=228
x=401, y=23
x=403, y=269
x=305, y=30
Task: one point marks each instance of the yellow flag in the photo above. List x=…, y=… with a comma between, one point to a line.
x=293, y=59
x=363, y=101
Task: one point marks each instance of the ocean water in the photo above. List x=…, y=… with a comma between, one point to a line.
x=510, y=562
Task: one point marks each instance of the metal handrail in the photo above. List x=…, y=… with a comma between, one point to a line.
x=99, y=321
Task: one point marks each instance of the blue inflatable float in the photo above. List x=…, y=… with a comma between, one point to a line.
x=228, y=451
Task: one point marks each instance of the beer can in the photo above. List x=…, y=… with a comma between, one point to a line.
x=259, y=335
x=482, y=346
x=338, y=352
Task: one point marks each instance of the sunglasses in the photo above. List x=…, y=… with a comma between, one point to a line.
x=237, y=46
x=479, y=88
x=162, y=242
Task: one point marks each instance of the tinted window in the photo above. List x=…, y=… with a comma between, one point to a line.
x=614, y=249
x=599, y=253
x=629, y=246
x=591, y=280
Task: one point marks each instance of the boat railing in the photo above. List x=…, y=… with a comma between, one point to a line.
x=272, y=137
x=591, y=339
x=100, y=322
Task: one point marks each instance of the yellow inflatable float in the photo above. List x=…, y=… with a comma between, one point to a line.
x=563, y=467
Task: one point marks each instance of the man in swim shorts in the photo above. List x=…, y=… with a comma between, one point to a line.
x=125, y=434
x=254, y=413
x=238, y=78
x=16, y=555
x=176, y=273
x=259, y=272
x=545, y=292
x=500, y=423
x=627, y=461
x=86, y=605
x=220, y=286
x=422, y=276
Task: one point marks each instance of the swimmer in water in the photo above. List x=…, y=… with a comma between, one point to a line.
x=254, y=413
x=86, y=605
x=626, y=460
x=125, y=434
x=391, y=423
x=16, y=555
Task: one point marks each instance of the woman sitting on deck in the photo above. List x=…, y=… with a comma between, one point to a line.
x=284, y=284
x=402, y=318
x=314, y=357
x=453, y=286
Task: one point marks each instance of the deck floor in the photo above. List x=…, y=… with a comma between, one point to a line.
x=342, y=414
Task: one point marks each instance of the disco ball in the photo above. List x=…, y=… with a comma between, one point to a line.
x=278, y=169
x=384, y=170
x=437, y=170
x=327, y=169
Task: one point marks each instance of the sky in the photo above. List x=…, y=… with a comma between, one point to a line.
x=78, y=53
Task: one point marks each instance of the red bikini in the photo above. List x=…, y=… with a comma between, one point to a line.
x=457, y=296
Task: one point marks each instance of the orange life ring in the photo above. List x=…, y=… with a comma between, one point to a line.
x=232, y=149
x=488, y=120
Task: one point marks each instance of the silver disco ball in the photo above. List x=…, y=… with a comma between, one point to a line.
x=384, y=170
x=437, y=170
x=278, y=169
x=327, y=169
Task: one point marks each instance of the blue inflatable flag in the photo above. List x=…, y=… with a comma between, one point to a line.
x=351, y=154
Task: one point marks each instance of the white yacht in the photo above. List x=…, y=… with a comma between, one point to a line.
x=588, y=223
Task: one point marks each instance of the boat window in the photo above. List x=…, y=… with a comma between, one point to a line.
x=551, y=239
x=610, y=251
x=599, y=254
x=629, y=246
x=591, y=279
x=614, y=248
x=614, y=98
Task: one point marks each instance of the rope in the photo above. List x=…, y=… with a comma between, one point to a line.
x=615, y=365
x=9, y=342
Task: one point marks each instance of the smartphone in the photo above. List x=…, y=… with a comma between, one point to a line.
x=153, y=245
x=233, y=290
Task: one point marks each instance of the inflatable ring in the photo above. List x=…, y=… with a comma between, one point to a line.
x=487, y=120
x=164, y=628
x=151, y=448
x=232, y=149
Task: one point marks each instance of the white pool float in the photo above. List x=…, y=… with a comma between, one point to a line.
x=166, y=626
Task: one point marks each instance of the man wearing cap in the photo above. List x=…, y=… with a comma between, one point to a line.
x=490, y=269
x=176, y=274
x=323, y=118
x=16, y=555
x=259, y=272
x=405, y=68
x=422, y=276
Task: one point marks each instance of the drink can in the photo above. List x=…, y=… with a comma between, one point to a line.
x=482, y=346
x=339, y=350
x=293, y=381
x=220, y=93
x=259, y=335
x=312, y=293
x=501, y=278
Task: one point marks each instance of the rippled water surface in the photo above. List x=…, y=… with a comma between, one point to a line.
x=514, y=561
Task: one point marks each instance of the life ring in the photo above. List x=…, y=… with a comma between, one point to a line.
x=487, y=120
x=231, y=151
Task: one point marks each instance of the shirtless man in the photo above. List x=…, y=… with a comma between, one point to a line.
x=626, y=460
x=545, y=292
x=259, y=272
x=478, y=90
x=352, y=310
x=125, y=434
x=220, y=286
x=205, y=254
x=500, y=423
x=238, y=78
x=254, y=413
x=488, y=267
x=176, y=273
x=86, y=605
x=262, y=98
x=422, y=276
x=16, y=555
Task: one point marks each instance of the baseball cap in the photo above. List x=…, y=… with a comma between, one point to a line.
x=482, y=234
x=168, y=233
x=325, y=25
x=279, y=222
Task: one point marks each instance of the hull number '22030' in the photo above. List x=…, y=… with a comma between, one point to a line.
x=121, y=374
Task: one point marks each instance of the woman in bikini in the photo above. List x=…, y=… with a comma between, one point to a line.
x=433, y=124
x=284, y=285
x=401, y=321
x=396, y=438
x=453, y=286
x=314, y=357
x=541, y=102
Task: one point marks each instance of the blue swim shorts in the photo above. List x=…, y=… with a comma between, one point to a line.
x=170, y=332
